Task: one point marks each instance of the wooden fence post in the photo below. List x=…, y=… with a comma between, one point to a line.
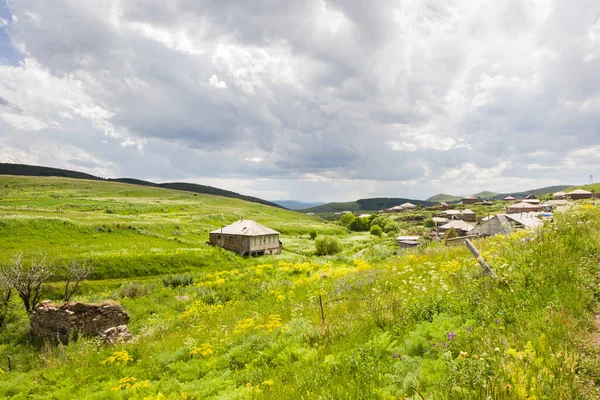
x=486, y=268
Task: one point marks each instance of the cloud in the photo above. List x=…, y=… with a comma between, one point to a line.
x=403, y=98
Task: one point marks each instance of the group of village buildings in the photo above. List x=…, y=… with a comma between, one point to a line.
x=247, y=237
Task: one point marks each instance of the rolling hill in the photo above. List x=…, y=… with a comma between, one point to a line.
x=499, y=196
x=34, y=170
x=295, y=205
x=372, y=204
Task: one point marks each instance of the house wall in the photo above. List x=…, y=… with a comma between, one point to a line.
x=579, y=196
x=269, y=244
x=469, y=201
x=469, y=217
x=489, y=228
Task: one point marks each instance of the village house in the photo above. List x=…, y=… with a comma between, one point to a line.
x=505, y=224
x=468, y=215
x=469, y=200
x=461, y=227
x=408, y=241
x=560, y=195
x=401, y=208
x=509, y=199
x=579, y=194
x=247, y=237
x=523, y=208
x=531, y=199
x=551, y=205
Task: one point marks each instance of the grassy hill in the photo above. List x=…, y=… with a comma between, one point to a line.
x=443, y=197
x=33, y=170
x=499, y=196
x=373, y=204
x=594, y=188
x=127, y=230
x=372, y=322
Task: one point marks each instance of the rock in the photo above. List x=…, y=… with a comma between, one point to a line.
x=64, y=322
x=116, y=334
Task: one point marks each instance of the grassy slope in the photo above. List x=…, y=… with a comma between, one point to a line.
x=126, y=230
x=34, y=170
x=443, y=197
x=415, y=324
x=594, y=188
x=373, y=204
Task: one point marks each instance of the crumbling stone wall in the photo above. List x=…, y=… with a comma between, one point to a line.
x=62, y=322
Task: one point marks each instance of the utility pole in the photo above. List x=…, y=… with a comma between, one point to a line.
x=591, y=179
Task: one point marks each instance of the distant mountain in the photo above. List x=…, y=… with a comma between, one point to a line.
x=295, y=205
x=34, y=170
x=374, y=204
x=443, y=197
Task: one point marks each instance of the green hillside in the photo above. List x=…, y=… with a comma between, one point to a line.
x=372, y=321
x=373, y=204
x=34, y=170
x=443, y=197
x=594, y=188
x=487, y=195
x=127, y=230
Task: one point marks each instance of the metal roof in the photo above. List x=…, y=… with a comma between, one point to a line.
x=579, y=191
x=467, y=211
x=462, y=225
x=246, y=227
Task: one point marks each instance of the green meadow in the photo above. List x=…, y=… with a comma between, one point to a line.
x=372, y=322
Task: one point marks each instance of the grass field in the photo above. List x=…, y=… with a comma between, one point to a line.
x=416, y=324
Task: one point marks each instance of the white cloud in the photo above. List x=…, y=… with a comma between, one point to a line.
x=214, y=81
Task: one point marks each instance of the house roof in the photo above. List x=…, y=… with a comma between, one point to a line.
x=530, y=196
x=559, y=194
x=246, y=227
x=509, y=198
x=452, y=212
x=407, y=238
x=408, y=205
x=528, y=221
x=458, y=224
x=554, y=203
x=579, y=191
x=524, y=206
x=467, y=211
x=439, y=219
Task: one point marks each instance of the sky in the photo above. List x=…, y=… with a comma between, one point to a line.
x=310, y=100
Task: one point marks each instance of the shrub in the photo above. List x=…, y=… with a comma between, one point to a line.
x=313, y=234
x=451, y=234
x=347, y=219
x=327, y=245
x=376, y=230
x=177, y=280
x=429, y=223
x=132, y=290
x=391, y=226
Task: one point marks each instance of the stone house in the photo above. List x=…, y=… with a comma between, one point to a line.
x=247, y=237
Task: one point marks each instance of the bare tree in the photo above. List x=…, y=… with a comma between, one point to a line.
x=27, y=282
x=5, y=296
x=76, y=272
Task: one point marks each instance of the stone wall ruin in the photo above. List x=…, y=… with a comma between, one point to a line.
x=55, y=322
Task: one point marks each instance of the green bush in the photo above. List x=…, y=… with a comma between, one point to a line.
x=451, y=233
x=313, y=234
x=347, y=219
x=177, y=280
x=429, y=223
x=376, y=230
x=327, y=245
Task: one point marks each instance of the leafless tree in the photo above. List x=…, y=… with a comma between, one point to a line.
x=27, y=282
x=5, y=296
x=76, y=272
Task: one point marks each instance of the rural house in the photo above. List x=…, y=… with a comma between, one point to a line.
x=523, y=208
x=505, y=224
x=468, y=215
x=560, y=195
x=579, y=194
x=408, y=241
x=461, y=227
x=469, y=200
x=247, y=237
x=509, y=198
